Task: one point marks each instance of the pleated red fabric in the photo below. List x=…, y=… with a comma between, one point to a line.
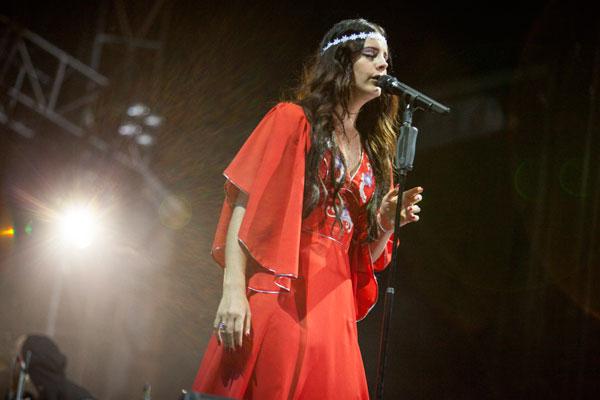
x=309, y=280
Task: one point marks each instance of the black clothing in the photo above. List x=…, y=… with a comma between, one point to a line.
x=47, y=371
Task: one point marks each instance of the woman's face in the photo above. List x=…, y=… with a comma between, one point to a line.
x=371, y=63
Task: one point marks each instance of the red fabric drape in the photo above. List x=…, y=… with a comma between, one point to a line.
x=270, y=169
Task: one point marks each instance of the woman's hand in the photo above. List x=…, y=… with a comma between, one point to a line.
x=409, y=211
x=233, y=318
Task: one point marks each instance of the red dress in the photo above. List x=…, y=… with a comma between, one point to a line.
x=309, y=281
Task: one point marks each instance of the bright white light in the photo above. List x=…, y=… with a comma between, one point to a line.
x=153, y=120
x=130, y=129
x=137, y=110
x=144, y=139
x=78, y=227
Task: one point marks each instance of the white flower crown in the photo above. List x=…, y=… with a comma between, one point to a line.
x=354, y=36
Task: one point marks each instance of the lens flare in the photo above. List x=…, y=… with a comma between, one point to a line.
x=9, y=232
x=78, y=227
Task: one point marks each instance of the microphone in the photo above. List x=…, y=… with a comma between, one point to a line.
x=391, y=85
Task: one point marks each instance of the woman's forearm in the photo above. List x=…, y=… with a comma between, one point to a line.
x=376, y=248
x=234, y=278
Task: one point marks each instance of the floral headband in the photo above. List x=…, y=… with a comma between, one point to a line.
x=354, y=36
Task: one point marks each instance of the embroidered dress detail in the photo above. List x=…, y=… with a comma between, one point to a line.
x=339, y=169
x=366, y=181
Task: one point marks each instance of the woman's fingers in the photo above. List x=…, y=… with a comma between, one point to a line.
x=414, y=209
x=227, y=332
x=230, y=329
x=416, y=190
x=232, y=320
x=412, y=196
x=216, y=329
x=412, y=213
x=247, y=324
x=238, y=331
x=390, y=195
x=220, y=336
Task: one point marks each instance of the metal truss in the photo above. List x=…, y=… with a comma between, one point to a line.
x=40, y=82
x=34, y=74
x=147, y=34
x=130, y=42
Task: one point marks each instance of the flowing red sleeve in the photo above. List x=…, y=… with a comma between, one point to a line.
x=363, y=267
x=269, y=168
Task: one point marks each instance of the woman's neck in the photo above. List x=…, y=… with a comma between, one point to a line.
x=348, y=119
x=347, y=122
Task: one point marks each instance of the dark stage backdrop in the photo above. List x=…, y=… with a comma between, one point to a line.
x=498, y=290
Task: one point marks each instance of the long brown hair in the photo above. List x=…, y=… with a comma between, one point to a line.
x=326, y=82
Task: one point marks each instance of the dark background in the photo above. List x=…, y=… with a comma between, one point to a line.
x=498, y=290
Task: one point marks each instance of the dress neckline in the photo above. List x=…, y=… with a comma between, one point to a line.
x=360, y=158
x=359, y=165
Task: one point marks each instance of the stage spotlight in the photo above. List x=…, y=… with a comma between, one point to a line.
x=130, y=129
x=140, y=124
x=138, y=110
x=153, y=120
x=78, y=227
x=144, y=139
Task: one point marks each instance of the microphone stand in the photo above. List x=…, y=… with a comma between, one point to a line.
x=405, y=154
x=23, y=370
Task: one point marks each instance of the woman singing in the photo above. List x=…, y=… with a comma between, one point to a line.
x=307, y=219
